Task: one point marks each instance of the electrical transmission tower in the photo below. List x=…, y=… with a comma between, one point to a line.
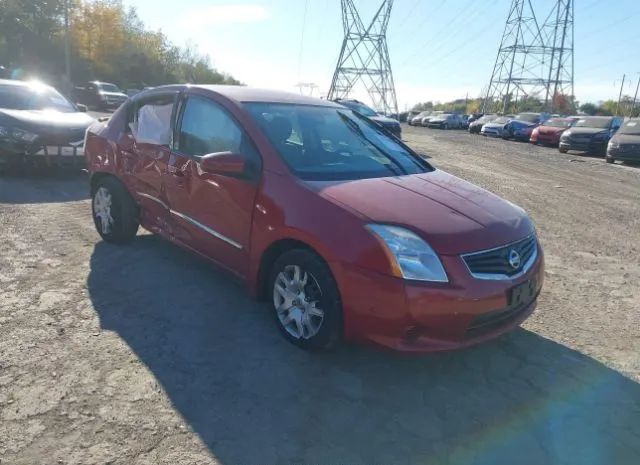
x=534, y=61
x=559, y=27
x=364, y=57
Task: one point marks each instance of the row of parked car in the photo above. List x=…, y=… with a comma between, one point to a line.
x=611, y=136
x=438, y=120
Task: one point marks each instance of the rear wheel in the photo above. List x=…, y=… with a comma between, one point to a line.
x=306, y=301
x=115, y=214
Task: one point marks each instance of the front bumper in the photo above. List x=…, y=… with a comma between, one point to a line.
x=546, y=139
x=624, y=155
x=522, y=136
x=11, y=151
x=590, y=146
x=492, y=132
x=408, y=316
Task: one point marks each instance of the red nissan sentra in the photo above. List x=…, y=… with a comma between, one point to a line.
x=342, y=227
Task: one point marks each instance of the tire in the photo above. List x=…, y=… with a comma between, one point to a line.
x=563, y=150
x=445, y=127
x=299, y=319
x=610, y=160
x=115, y=214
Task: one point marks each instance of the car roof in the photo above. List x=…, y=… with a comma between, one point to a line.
x=251, y=94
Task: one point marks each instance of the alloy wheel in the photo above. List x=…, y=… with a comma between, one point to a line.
x=102, y=202
x=296, y=297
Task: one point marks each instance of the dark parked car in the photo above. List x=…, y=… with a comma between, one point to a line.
x=476, y=125
x=590, y=134
x=522, y=125
x=346, y=231
x=549, y=132
x=625, y=144
x=38, y=122
x=389, y=124
x=444, y=121
x=100, y=95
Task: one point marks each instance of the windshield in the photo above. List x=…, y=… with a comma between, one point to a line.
x=559, y=123
x=325, y=143
x=528, y=117
x=36, y=97
x=599, y=123
x=360, y=108
x=105, y=86
x=631, y=127
x=424, y=113
x=502, y=120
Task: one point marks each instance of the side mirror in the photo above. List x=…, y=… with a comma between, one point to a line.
x=81, y=107
x=223, y=163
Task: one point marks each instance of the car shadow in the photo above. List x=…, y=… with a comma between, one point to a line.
x=43, y=186
x=253, y=398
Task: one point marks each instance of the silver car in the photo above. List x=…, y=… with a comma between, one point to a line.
x=495, y=128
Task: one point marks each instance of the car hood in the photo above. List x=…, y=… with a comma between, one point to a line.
x=35, y=120
x=113, y=94
x=452, y=215
x=585, y=131
x=495, y=125
x=550, y=129
x=627, y=139
x=522, y=124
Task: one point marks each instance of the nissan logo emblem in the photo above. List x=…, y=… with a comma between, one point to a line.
x=514, y=259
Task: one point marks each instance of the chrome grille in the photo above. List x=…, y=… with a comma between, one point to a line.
x=497, y=263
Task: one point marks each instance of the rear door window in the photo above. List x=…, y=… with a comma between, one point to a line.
x=150, y=122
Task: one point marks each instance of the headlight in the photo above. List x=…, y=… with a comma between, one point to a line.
x=614, y=145
x=24, y=136
x=410, y=256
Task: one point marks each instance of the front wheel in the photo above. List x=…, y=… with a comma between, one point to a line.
x=115, y=213
x=610, y=160
x=563, y=150
x=306, y=301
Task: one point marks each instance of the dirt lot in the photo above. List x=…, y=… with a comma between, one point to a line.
x=145, y=355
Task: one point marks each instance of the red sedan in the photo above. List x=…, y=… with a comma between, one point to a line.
x=549, y=133
x=343, y=228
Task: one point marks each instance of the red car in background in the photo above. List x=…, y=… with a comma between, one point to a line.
x=344, y=229
x=549, y=132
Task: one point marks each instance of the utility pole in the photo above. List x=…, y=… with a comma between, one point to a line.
x=67, y=54
x=364, y=57
x=635, y=97
x=620, y=96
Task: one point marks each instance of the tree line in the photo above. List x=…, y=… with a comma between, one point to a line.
x=106, y=41
x=563, y=105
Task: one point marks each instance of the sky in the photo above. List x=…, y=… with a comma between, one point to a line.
x=439, y=49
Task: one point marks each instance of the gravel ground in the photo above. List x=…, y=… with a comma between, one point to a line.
x=146, y=355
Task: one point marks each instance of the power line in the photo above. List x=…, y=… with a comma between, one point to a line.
x=304, y=25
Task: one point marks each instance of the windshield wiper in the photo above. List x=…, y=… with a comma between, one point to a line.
x=355, y=127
